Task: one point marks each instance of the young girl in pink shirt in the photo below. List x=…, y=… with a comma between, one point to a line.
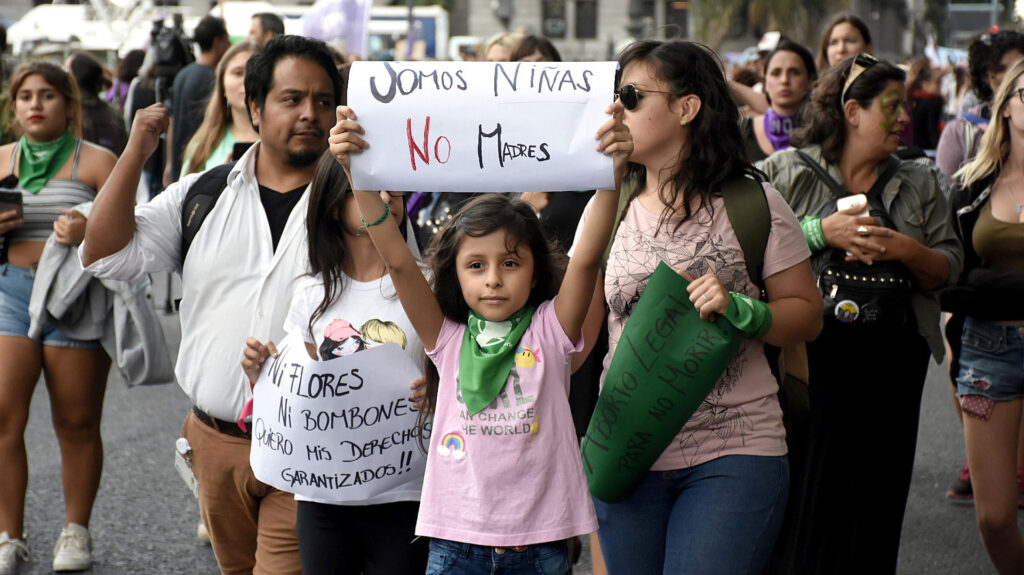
x=504, y=485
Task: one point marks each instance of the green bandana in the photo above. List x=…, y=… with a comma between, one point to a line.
x=40, y=161
x=487, y=356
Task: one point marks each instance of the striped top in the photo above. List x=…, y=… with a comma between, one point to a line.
x=44, y=207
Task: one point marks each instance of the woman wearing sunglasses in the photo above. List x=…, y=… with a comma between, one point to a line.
x=867, y=369
x=989, y=205
x=789, y=73
x=714, y=500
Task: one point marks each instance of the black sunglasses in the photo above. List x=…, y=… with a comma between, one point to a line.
x=630, y=95
x=860, y=63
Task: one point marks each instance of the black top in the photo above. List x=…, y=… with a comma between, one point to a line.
x=924, y=119
x=192, y=87
x=101, y=124
x=754, y=151
x=278, y=207
x=562, y=216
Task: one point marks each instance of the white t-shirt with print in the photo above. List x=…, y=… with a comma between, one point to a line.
x=365, y=315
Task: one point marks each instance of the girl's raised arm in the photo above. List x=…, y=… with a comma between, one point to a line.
x=578, y=286
x=413, y=290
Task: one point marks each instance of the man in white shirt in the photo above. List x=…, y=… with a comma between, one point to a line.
x=236, y=281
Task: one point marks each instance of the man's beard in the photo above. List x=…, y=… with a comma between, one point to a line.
x=303, y=159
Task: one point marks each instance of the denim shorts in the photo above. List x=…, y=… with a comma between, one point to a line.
x=991, y=360
x=15, y=293
x=453, y=558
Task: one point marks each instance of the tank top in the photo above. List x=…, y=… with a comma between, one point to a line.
x=999, y=244
x=44, y=207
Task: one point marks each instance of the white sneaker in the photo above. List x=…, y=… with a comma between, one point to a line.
x=202, y=533
x=74, y=549
x=11, y=550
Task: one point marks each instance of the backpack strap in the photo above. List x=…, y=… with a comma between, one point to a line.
x=751, y=220
x=626, y=195
x=199, y=201
x=837, y=189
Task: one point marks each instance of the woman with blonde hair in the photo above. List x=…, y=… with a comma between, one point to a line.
x=226, y=121
x=53, y=170
x=499, y=47
x=989, y=208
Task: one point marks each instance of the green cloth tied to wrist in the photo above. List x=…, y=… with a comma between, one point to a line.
x=751, y=316
x=487, y=356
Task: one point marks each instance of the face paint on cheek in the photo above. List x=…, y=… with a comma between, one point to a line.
x=891, y=114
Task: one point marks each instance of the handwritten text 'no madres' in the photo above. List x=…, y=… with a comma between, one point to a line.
x=514, y=77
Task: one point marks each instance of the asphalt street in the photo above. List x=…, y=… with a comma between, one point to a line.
x=144, y=519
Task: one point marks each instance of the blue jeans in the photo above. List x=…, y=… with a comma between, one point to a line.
x=453, y=558
x=991, y=360
x=15, y=294
x=718, y=517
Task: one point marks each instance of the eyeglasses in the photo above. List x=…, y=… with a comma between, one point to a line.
x=630, y=96
x=1019, y=92
x=860, y=63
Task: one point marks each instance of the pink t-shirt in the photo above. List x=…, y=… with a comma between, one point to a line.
x=511, y=474
x=741, y=416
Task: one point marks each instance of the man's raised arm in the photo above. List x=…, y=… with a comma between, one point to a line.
x=112, y=222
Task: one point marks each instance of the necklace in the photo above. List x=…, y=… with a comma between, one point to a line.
x=1019, y=207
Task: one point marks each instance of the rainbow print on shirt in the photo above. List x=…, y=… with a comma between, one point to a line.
x=452, y=445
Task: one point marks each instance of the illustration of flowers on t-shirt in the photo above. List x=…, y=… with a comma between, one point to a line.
x=341, y=338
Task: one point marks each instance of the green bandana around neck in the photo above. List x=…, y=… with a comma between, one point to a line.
x=487, y=356
x=40, y=161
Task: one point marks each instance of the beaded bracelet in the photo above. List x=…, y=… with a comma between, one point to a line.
x=380, y=220
x=814, y=234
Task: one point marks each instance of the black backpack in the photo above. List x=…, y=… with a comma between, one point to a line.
x=199, y=201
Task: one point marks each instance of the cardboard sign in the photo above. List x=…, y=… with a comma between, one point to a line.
x=340, y=430
x=481, y=126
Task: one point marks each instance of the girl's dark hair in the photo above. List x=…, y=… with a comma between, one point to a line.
x=483, y=215
x=327, y=253
x=530, y=44
x=845, y=18
x=984, y=54
x=787, y=45
x=823, y=122
x=88, y=72
x=717, y=153
x=479, y=217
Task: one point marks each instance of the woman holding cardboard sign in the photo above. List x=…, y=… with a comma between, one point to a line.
x=713, y=499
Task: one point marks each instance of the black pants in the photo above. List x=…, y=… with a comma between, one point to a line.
x=852, y=473
x=369, y=539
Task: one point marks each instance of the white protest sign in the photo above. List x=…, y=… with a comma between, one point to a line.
x=339, y=430
x=481, y=126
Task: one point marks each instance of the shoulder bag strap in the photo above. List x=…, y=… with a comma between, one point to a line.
x=837, y=189
x=751, y=220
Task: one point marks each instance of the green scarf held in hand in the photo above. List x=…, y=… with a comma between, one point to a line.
x=40, y=161
x=487, y=356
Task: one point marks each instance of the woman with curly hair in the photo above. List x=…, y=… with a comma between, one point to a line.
x=867, y=369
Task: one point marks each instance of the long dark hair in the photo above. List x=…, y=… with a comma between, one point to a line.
x=823, y=122
x=481, y=216
x=327, y=254
x=717, y=153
